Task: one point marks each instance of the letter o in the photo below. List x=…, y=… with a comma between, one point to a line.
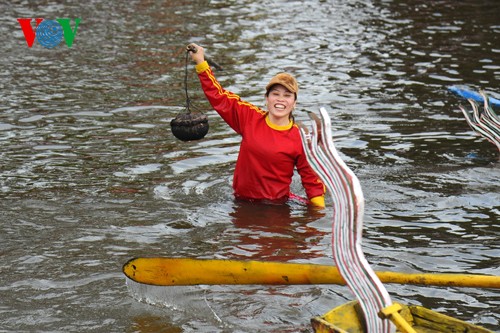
x=49, y=33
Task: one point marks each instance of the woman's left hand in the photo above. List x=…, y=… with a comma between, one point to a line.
x=197, y=53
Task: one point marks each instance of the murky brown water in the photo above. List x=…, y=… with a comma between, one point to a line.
x=91, y=176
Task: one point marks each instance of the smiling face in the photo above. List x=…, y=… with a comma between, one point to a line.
x=280, y=103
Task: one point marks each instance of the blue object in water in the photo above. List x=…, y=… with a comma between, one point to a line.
x=473, y=95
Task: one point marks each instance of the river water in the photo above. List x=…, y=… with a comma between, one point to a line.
x=91, y=176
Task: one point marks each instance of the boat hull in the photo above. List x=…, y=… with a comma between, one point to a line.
x=348, y=318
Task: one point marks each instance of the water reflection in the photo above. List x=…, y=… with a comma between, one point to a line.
x=152, y=324
x=273, y=232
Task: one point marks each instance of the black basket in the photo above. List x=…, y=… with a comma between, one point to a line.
x=189, y=126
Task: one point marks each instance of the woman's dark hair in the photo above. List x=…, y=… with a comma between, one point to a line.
x=274, y=85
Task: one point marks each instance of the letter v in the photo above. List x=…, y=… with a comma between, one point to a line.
x=29, y=34
x=69, y=35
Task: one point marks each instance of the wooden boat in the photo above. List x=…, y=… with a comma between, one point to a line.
x=348, y=318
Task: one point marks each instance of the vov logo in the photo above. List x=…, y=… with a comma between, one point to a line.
x=48, y=33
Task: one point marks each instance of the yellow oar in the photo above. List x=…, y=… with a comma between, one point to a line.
x=184, y=271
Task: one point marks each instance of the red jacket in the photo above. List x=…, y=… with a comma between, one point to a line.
x=268, y=153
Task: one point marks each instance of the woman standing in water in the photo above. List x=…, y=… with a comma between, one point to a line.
x=271, y=145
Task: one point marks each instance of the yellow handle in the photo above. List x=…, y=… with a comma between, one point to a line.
x=392, y=313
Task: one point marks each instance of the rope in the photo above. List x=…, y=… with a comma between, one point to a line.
x=189, y=103
x=188, y=100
